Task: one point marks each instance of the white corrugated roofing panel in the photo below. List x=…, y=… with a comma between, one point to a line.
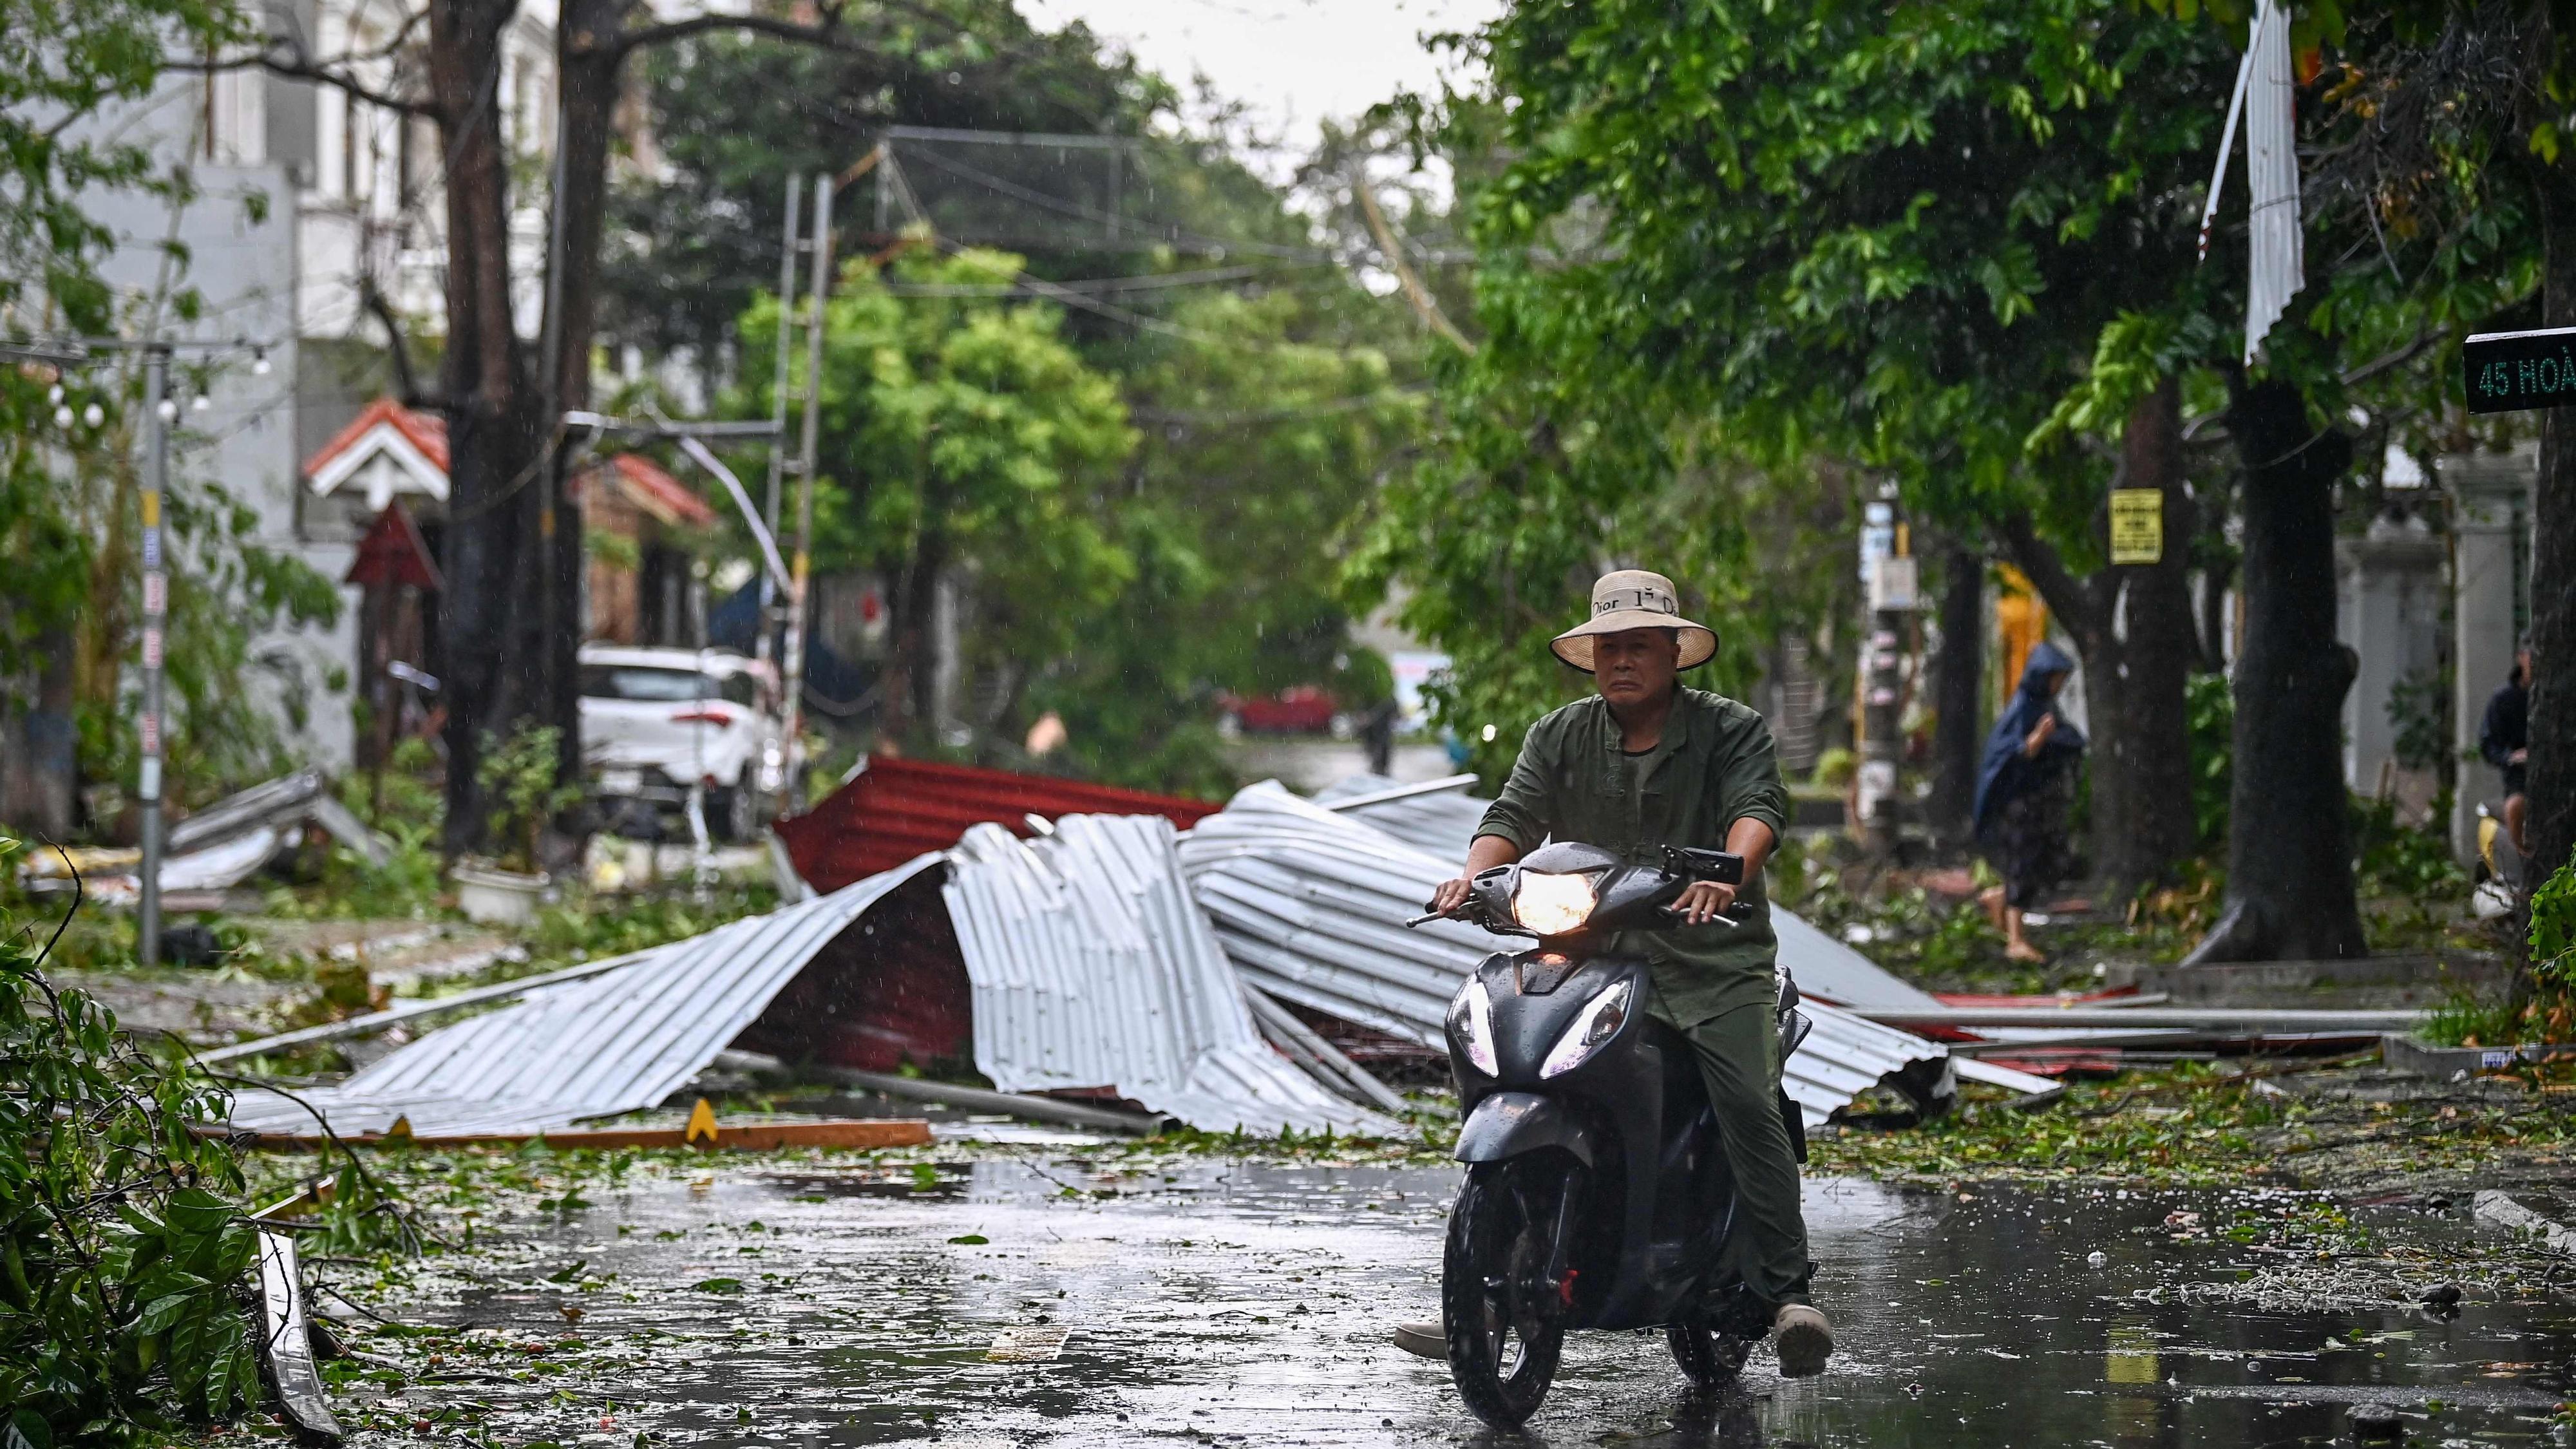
x=1092, y=967
x=1442, y=824
x=1311, y=905
x=1438, y=822
x=614, y=1043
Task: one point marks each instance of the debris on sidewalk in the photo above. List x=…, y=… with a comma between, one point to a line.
x=216, y=848
x=2500, y=1209
x=286, y=1341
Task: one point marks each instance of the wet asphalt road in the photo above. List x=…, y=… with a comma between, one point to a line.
x=1246, y=1303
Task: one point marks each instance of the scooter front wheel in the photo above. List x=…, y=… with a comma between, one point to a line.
x=1503, y=1312
x=1709, y=1357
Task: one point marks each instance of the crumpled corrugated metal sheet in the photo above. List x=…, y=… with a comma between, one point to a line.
x=1442, y=824
x=616, y=1043
x=1093, y=967
x=891, y=810
x=1312, y=906
x=1438, y=822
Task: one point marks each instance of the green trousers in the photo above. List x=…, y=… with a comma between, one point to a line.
x=1739, y=1060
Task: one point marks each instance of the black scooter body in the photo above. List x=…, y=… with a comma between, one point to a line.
x=1646, y=1246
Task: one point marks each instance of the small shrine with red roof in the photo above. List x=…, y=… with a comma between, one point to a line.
x=641, y=524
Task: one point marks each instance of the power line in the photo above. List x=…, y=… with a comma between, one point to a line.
x=1170, y=234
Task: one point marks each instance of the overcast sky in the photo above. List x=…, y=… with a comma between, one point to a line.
x=1293, y=62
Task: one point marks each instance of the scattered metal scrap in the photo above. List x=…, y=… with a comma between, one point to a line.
x=2225, y=1020
x=844, y=1133
x=1089, y=964
x=2500, y=1209
x=579, y=1050
x=976, y=1099
x=379, y=1020
x=218, y=847
x=286, y=1341
x=1093, y=967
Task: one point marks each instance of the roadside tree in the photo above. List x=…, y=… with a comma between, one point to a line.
x=1892, y=238
x=973, y=448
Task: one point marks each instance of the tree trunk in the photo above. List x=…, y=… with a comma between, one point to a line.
x=2552, y=765
x=589, y=59
x=1958, y=693
x=2132, y=625
x=2289, y=833
x=912, y=668
x=490, y=637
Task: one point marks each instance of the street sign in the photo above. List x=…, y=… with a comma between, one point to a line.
x=1895, y=584
x=2512, y=372
x=2137, y=525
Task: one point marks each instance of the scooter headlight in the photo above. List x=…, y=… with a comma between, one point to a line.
x=1471, y=1020
x=1553, y=905
x=1599, y=1021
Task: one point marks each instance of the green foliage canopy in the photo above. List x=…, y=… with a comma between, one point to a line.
x=121, y=1259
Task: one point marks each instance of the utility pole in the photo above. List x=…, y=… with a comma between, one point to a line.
x=800, y=586
x=762, y=643
x=1888, y=569
x=160, y=410
x=156, y=610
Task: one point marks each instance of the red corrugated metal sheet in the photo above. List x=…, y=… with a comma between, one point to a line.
x=896, y=809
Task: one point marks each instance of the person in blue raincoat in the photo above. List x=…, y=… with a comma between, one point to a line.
x=2025, y=790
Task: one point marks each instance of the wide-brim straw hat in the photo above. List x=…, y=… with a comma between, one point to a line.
x=1634, y=599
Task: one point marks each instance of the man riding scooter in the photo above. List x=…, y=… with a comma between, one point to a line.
x=1645, y=764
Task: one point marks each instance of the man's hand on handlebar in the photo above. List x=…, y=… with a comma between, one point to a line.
x=1703, y=902
x=1449, y=896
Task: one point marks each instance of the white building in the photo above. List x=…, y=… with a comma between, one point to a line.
x=307, y=197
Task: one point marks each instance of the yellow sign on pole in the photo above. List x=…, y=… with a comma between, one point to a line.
x=2137, y=525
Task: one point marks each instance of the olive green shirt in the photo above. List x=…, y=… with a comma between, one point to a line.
x=1715, y=765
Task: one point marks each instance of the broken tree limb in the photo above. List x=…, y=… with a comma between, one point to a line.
x=1329, y=1064
x=376, y=1020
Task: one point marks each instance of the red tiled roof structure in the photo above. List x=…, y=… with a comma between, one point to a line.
x=425, y=431
x=660, y=494
x=897, y=809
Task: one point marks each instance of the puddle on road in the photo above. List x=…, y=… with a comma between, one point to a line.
x=1228, y=1303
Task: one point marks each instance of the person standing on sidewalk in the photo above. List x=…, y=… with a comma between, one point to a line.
x=2025, y=790
x=1647, y=763
x=2504, y=739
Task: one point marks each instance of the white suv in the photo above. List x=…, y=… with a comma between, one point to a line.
x=656, y=721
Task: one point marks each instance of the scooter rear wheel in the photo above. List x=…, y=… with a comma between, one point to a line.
x=1708, y=1357
x=1505, y=1322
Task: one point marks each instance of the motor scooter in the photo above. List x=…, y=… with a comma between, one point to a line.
x=1598, y=1194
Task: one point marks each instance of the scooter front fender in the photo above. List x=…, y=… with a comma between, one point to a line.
x=1507, y=1124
